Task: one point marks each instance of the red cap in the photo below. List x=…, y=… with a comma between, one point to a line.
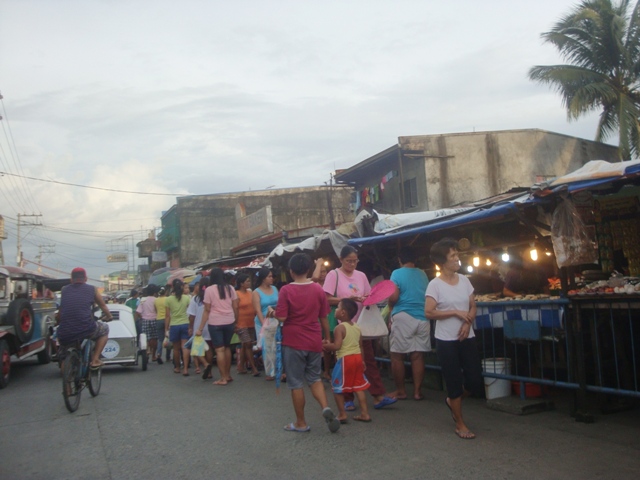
x=78, y=275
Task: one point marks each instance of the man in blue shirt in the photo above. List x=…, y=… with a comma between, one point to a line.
x=410, y=330
x=76, y=319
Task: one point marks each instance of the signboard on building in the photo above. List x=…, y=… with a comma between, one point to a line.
x=117, y=258
x=159, y=256
x=2, y=236
x=255, y=225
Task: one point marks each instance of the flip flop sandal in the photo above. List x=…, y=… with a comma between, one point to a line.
x=332, y=422
x=207, y=371
x=386, y=401
x=349, y=406
x=292, y=428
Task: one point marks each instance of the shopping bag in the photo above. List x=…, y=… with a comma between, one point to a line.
x=268, y=329
x=371, y=323
x=198, y=346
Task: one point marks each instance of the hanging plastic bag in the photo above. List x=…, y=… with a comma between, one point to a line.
x=572, y=243
x=198, y=347
x=371, y=323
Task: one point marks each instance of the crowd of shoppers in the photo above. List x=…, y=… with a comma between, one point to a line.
x=318, y=316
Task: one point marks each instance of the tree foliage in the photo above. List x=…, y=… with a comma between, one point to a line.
x=600, y=41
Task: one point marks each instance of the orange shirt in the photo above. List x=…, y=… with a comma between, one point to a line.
x=246, y=312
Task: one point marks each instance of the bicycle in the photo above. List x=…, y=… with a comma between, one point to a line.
x=77, y=373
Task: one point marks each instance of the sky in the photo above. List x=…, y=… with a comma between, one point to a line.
x=201, y=97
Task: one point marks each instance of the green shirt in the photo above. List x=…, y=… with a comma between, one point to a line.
x=178, y=309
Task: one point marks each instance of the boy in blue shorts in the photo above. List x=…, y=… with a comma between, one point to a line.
x=348, y=373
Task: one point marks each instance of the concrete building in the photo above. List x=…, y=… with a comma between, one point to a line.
x=203, y=227
x=429, y=172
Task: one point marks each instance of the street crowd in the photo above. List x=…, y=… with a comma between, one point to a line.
x=307, y=331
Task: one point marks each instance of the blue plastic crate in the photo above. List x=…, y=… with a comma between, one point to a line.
x=521, y=330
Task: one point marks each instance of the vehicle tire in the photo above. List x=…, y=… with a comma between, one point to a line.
x=95, y=381
x=145, y=360
x=71, y=381
x=5, y=364
x=20, y=315
x=44, y=356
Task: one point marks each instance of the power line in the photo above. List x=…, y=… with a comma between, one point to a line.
x=28, y=195
x=93, y=188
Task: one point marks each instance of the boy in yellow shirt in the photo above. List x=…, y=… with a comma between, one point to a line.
x=348, y=373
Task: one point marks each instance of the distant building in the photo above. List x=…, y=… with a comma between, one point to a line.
x=119, y=280
x=149, y=249
x=203, y=227
x=429, y=172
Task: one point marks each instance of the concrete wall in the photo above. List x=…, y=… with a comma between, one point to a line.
x=208, y=226
x=473, y=166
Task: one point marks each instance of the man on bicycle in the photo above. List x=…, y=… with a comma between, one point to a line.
x=76, y=319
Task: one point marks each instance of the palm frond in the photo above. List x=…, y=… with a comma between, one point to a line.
x=600, y=41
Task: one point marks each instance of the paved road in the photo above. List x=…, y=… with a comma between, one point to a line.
x=159, y=425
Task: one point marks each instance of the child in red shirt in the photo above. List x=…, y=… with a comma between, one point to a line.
x=303, y=308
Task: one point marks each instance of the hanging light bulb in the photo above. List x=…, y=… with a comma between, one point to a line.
x=437, y=268
x=547, y=253
x=488, y=262
x=505, y=255
x=470, y=269
x=476, y=260
x=437, y=274
x=533, y=252
x=326, y=263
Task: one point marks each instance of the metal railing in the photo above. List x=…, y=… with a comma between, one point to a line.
x=607, y=332
x=585, y=344
x=526, y=341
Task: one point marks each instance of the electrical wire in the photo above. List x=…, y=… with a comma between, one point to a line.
x=94, y=188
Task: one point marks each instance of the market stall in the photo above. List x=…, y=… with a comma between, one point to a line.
x=571, y=341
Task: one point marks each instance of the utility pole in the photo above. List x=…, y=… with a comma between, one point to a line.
x=332, y=220
x=2, y=237
x=19, y=260
x=44, y=249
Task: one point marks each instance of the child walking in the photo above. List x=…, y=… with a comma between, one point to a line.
x=348, y=373
x=303, y=308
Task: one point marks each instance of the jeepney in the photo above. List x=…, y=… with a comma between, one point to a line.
x=27, y=317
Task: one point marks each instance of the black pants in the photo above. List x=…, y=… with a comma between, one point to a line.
x=461, y=369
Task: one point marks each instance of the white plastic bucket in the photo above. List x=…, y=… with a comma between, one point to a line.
x=496, y=387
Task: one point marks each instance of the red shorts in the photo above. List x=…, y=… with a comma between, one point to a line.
x=348, y=375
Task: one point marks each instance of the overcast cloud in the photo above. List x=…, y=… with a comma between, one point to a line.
x=199, y=97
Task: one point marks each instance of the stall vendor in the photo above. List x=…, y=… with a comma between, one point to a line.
x=524, y=277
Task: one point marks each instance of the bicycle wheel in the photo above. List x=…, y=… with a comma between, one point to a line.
x=95, y=380
x=94, y=375
x=70, y=381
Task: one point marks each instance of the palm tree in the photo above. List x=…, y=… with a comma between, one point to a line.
x=601, y=43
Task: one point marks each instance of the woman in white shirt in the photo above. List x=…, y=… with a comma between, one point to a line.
x=450, y=302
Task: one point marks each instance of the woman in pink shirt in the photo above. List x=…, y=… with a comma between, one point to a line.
x=220, y=316
x=147, y=312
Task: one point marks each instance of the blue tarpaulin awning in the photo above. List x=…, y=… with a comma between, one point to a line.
x=473, y=217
